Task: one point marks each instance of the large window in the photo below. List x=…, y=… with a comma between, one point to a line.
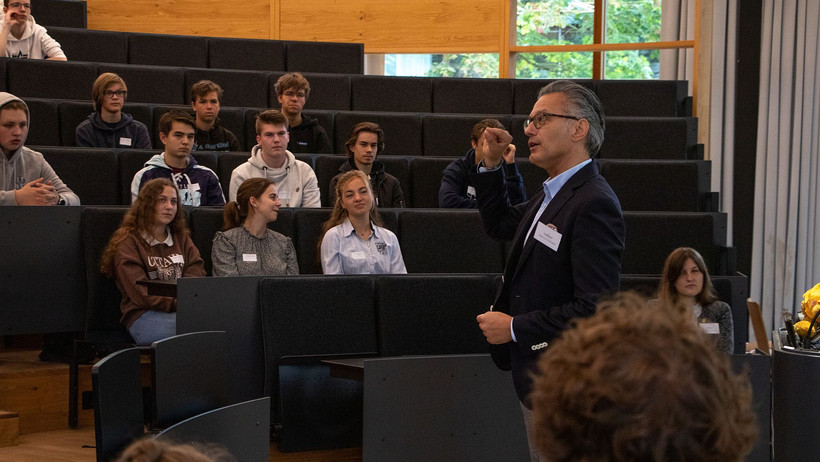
x=558, y=39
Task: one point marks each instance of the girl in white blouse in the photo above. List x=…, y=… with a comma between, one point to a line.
x=354, y=242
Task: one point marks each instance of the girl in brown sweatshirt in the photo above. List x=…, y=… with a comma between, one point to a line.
x=153, y=242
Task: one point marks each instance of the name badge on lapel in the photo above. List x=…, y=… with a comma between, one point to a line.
x=548, y=235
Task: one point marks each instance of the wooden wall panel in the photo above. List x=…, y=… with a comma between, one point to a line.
x=388, y=26
x=215, y=18
x=384, y=26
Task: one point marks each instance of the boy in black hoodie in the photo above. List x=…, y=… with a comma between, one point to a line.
x=306, y=135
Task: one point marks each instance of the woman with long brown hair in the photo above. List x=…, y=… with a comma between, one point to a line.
x=354, y=241
x=685, y=282
x=153, y=242
x=245, y=246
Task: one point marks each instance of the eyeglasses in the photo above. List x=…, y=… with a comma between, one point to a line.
x=291, y=94
x=541, y=118
x=20, y=5
x=119, y=93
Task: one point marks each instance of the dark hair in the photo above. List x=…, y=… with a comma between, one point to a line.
x=270, y=117
x=478, y=128
x=671, y=271
x=583, y=103
x=339, y=213
x=640, y=383
x=364, y=127
x=236, y=212
x=167, y=120
x=102, y=83
x=292, y=80
x=203, y=87
x=141, y=218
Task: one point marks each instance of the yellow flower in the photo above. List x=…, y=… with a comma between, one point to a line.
x=810, y=302
x=802, y=327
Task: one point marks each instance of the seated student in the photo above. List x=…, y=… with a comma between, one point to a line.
x=245, y=246
x=295, y=180
x=210, y=134
x=685, y=281
x=632, y=383
x=456, y=192
x=153, y=242
x=22, y=37
x=198, y=185
x=306, y=135
x=27, y=178
x=363, y=145
x=354, y=242
x=108, y=126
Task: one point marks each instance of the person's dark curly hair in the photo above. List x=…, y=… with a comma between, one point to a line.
x=638, y=383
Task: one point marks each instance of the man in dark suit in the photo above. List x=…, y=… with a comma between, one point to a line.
x=567, y=240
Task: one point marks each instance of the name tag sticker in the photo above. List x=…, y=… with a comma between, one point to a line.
x=548, y=235
x=710, y=327
x=471, y=191
x=283, y=195
x=248, y=257
x=177, y=259
x=357, y=256
x=194, y=186
x=125, y=141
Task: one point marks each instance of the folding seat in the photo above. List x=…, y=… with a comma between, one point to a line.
x=402, y=132
x=167, y=50
x=148, y=84
x=52, y=13
x=671, y=138
x=240, y=87
x=447, y=241
x=90, y=172
x=246, y=54
x=306, y=319
x=661, y=185
x=651, y=236
x=226, y=163
x=89, y=45
x=387, y=93
x=45, y=122
x=472, y=96
x=651, y=98
x=324, y=57
x=448, y=135
x=425, y=175
x=525, y=92
x=432, y=314
x=39, y=78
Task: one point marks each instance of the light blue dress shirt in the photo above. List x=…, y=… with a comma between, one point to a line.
x=343, y=252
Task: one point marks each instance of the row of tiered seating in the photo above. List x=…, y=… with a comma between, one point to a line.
x=171, y=85
x=685, y=184
x=406, y=133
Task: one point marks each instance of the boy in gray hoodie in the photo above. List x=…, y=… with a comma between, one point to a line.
x=27, y=179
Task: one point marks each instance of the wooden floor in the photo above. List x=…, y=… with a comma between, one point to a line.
x=38, y=392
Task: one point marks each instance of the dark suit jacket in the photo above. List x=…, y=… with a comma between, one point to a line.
x=543, y=288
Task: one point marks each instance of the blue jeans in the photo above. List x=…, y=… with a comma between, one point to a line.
x=153, y=326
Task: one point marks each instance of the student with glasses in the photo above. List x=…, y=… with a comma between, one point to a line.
x=22, y=37
x=108, y=126
x=306, y=135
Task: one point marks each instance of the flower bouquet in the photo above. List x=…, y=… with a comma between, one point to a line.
x=807, y=329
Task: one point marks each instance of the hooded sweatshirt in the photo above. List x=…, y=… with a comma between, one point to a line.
x=127, y=133
x=35, y=43
x=197, y=185
x=295, y=181
x=309, y=137
x=24, y=166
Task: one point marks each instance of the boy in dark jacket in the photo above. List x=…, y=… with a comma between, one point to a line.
x=108, y=126
x=306, y=135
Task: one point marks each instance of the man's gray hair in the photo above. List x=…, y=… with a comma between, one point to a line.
x=582, y=103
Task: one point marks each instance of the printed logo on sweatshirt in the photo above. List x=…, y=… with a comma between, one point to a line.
x=167, y=268
x=20, y=54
